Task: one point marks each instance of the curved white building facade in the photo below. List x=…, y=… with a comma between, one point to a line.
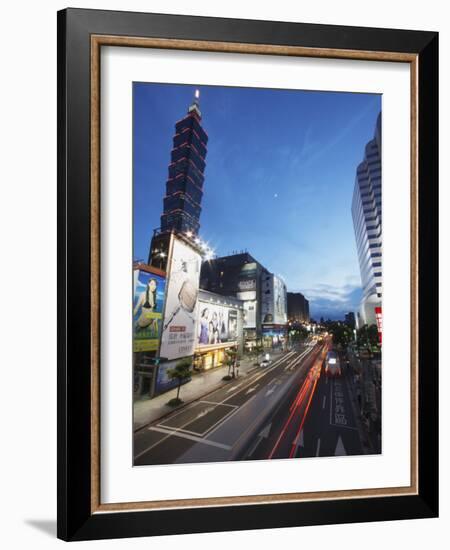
x=367, y=222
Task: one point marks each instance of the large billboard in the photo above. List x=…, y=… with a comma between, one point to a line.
x=148, y=303
x=280, y=301
x=379, y=318
x=217, y=324
x=180, y=315
x=250, y=314
x=247, y=277
x=273, y=299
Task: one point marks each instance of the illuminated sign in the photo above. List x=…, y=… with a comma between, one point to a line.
x=378, y=316
x=217, y=324
x=273, y=300
x=250, y=314
x=180, y=316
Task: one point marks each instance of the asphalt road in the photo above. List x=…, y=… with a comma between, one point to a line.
x=229, y=422
x=319, y=420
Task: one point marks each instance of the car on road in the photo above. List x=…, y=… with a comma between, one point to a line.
x=264, y=363
x=332, y=364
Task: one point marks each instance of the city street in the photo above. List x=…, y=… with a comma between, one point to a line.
x=220, y=425
x=285, y=410
x=320, y=421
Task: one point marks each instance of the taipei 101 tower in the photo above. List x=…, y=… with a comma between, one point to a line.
x=184, y=187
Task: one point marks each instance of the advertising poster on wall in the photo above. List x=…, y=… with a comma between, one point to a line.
x=247, y=277
x=250, y=314
x=163, y=381
x=217, y=324
x=274, y=300
x=379, y=319
x=180, y=317
x=280, y=301
x=148, y=302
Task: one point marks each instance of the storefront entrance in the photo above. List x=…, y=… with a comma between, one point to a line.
x=210, y=359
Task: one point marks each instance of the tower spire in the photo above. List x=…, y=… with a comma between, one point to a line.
x=195, y=105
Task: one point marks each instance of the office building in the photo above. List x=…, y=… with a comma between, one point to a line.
x=297, y=308
x=243, y=277
x=367, y=222
x=237, y=275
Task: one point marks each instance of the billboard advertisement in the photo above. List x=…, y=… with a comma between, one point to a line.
x=180, y=316
x=216, y=324
x=379, y=318
x=280, y=301
x=250, y=314
x=273, y=300
x=163, y=381
x=148, y=302
x=247, y=277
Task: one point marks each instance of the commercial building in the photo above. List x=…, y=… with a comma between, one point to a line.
x=166, y=306
x=237, y=275
x=367, y=222
x=173, y=319
x=242, y=276
x=297, y=308
x=220, y=322
x=184, y=188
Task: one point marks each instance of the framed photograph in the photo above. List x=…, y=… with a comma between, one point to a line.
x=247, y=257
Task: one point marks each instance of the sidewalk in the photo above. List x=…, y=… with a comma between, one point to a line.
x=146, y=411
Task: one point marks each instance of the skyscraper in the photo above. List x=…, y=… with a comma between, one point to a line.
x=184, y=188
x=367, y=222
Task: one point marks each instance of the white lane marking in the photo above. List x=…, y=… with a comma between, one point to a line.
x=299, y=441
x=192, y=438
x=250, y=390
x=253, y=377
x=199, y=415
x=214, y=403
x=263, y=434
x=290, y=366
x=340, y=449
x=261, y=375
x=318, y=447
x=269, y=391
x=331, y=400
x=324, y=401
x=344, y=427
x=204, y=412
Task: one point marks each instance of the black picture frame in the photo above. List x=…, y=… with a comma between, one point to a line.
x=76, y=520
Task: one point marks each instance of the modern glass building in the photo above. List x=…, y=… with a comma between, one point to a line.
x=184, y=188
x=367, y=222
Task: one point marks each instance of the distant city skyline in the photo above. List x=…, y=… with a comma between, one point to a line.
x=279, y=179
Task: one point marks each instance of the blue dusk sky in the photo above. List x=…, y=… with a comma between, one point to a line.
x=279, y=179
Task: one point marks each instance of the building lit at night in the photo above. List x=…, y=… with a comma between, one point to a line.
x=184, y=188
x=367, y=222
